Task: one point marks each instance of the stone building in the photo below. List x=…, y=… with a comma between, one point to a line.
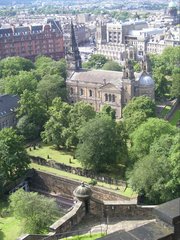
x=8, y=105
x=31, y=41
x=101, y=87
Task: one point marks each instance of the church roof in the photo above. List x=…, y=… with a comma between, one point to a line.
x=98, y=76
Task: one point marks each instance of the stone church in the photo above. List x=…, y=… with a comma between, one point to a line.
x=102, y=87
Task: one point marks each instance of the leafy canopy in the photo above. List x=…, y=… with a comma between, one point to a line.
x=35, y=211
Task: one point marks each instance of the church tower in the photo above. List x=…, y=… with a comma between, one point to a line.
x=128, y=71
x=145, y=64
x=72, y=52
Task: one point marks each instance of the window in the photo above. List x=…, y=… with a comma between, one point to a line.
x=90, y=93
x=106, y=97
x=81, y=92
x=113, y=98
x=71, y=91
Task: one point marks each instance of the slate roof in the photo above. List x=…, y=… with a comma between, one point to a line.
x=150, y=231
x=169, y=212
x=8, y=103
x=98, y=76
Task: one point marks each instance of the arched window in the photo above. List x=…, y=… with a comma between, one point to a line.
x=81, y=92
x=113, y=98
x=106, y=97
x=71, y=91
x=109, y=97
x=90, y=93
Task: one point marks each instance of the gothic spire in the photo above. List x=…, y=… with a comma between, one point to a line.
x=72, y=54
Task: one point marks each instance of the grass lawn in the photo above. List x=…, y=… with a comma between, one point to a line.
x=85, y=237
x=10, y=228
x=176, y=118
x=58, y=156
x=128, y=192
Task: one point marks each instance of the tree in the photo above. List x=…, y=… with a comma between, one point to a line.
x=18, y=83
x=13, y=156
x=31, y=114
x=141, y=103
x=147, y=132
x=156, y=176
x=35, y=211
x=50, y=87
x=79, y=114
x=109, y=111
x=47, y=66
x=137, y=111
x=112, y=66
x=161, y=83
x=55, y=129
x=175, y=88
x=96, y=61
x=99, y=144
x=11, y=66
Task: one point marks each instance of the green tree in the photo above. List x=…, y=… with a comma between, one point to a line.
x=109, y=111
x=137, y=111
x=18, y=83
x=55, y=129
x=175, y=88
x=35, y=211
x=112, y=66
x=50, y=87
x=147, y=132
x=156, y=176
x=96, y=61
x=47, y=66
x=31, y=114
x=13, y=156
x=142, y=103
x=99, y=144
x=11, y=66
x=79, y=114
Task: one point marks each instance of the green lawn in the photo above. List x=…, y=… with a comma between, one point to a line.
x=128, y=192
x=176, y=118
x=58, y=156
x=85, y=237
x=10, y=228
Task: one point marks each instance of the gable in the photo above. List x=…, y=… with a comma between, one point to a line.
x=109, y=87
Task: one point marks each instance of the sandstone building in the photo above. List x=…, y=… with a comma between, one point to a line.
x=101, y=87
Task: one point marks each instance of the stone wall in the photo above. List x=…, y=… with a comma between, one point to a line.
x=69, y=220
x=65, y=187
x=120, y=209
x=79, y=171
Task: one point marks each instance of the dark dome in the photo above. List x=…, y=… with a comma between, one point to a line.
x=82, y=192
x=146, y=81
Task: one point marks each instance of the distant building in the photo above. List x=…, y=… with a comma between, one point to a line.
x=8, y=105
x=132, y=40
x=31, y=41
